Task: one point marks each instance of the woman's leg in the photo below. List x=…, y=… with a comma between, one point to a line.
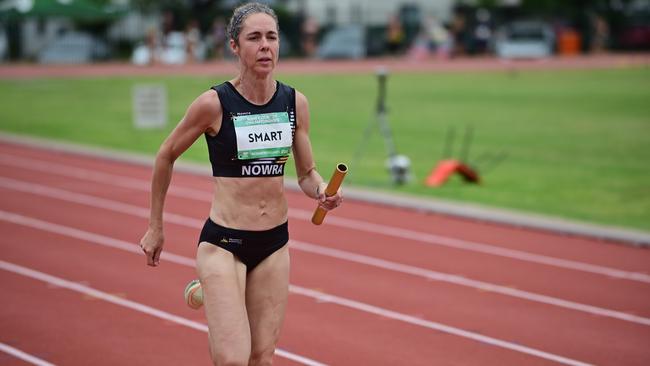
x=223, y=279
x=267, y=288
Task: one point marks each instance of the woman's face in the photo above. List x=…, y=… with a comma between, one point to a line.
x=259, y=43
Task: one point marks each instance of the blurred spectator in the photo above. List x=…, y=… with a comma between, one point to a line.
x=309, y=39
x=192, y=39
x=394, y=35
x=600, y=35
x=167, y=26
x=482, y=31
x=441, y=41
x=153, y=43
x=421, y=46
x=459, y=33
x=218, y=37
x=432, y=37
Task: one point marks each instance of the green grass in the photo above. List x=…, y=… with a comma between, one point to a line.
x=577, y=142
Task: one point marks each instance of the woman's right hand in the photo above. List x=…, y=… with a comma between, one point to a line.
x=152, y=245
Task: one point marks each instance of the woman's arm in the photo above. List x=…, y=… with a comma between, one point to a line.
x=204, y=114
x=310, y=181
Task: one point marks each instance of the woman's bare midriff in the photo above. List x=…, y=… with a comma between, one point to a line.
x=249, y=203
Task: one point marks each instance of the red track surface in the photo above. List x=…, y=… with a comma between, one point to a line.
x=299, y=66
x=373, y=286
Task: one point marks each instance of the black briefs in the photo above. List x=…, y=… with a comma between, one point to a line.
x=251, y=247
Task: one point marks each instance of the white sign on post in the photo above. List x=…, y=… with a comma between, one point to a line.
x=149, y=106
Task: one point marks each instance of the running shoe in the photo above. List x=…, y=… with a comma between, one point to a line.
x=194, y=294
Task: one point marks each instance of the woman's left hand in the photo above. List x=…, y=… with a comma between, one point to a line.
x=331, y=202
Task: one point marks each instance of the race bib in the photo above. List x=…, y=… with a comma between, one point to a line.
x=262, y=135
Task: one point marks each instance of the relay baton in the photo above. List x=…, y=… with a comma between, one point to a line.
x=332, y=188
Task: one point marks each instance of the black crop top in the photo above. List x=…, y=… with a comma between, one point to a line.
x=254, y=140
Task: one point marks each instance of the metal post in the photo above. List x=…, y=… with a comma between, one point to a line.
x=382, y=114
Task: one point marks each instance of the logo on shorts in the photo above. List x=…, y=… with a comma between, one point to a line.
x=230, y=241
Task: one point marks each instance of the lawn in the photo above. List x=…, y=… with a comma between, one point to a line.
x=577, y=143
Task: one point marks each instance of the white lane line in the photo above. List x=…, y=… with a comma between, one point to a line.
x=93, y=201
x=319, y=296
x=62, y=283
x=461, y=281
x=88, y=237
x=23, y=356
x=343, y=255
x=479, y=247
x=325, y=298
x=96, y=176
x=195, y=194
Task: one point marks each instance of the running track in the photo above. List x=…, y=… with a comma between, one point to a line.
x=374, y=285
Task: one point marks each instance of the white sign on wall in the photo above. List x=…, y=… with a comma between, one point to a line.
x=149, y=106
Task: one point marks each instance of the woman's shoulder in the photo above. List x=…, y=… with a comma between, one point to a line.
x=301, y=99
x=207, y=103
